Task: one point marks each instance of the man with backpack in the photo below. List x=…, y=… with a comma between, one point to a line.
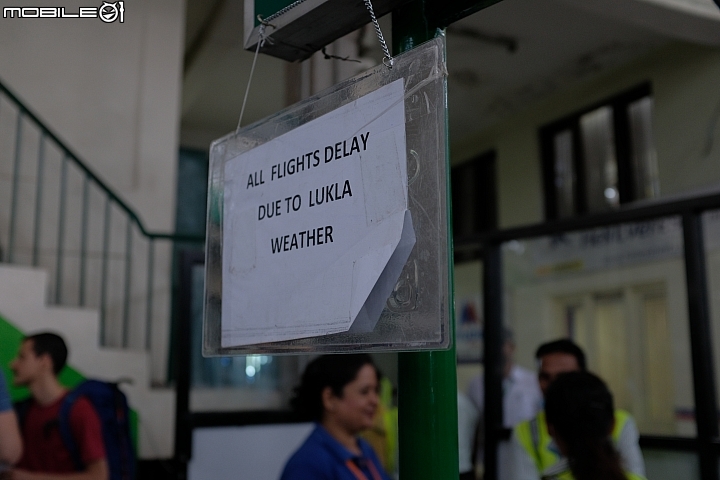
x=46, y=454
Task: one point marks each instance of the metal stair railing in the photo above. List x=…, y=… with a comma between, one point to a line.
x=57, y=214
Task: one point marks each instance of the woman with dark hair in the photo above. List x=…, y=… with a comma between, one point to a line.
x=580, y=418
x=340, y=394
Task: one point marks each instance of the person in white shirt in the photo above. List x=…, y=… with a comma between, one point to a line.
x=467, y=422
x=522, y=400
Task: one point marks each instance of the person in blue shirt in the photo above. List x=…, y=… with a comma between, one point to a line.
x=339, y=393
x=10, y=440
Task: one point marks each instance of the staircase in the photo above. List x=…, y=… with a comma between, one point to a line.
x=57, y=214
x=79, y=261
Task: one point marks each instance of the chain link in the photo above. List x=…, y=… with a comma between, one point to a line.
x=387, y=60
x=281, y=12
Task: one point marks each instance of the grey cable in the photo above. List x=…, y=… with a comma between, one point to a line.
x=260, y=43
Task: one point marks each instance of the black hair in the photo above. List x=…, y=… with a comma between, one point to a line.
x=51, y=344
x=563, y=345
x=334, y=371
x=579, y=407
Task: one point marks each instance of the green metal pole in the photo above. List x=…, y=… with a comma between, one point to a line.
x=427, y=389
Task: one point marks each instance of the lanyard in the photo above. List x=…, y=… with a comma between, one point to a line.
x=359, y=474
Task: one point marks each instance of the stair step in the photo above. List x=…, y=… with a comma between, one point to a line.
x=22, y=285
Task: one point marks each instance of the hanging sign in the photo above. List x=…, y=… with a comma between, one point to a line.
x=327, y=222
x=317, y=221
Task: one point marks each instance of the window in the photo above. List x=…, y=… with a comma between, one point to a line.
x=601, y=157
x=474, y=200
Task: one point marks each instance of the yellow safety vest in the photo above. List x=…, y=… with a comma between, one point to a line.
x=568, y=476
x=534, y=437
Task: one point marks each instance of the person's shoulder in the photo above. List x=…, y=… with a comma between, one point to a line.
x=623, y=417
x=309, y=457
x=83, y=403
x=82, y=409
x=312, y=448
x=524, y=425
x=625, y=427
x=527, y=426
x=308, y=461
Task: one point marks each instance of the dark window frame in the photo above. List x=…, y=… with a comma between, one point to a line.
x=623, y=150
x=706, y=443
x=482, y=199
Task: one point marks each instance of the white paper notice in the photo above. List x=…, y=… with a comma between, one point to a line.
x=316, y=225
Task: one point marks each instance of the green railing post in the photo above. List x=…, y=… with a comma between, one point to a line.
x=427, y=389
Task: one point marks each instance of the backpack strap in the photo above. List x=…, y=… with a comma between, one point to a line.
x=66, y=432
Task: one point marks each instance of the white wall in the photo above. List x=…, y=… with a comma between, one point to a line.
x=257, y=453
x=112, y=92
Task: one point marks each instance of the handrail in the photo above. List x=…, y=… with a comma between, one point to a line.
x=112, y=268
x=90, y=173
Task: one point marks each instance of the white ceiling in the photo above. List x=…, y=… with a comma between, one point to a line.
x=556, y=46
x=558, y=42
x=214, y=84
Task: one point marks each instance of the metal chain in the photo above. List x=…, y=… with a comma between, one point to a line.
x=281, y=12
x=387, y=60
